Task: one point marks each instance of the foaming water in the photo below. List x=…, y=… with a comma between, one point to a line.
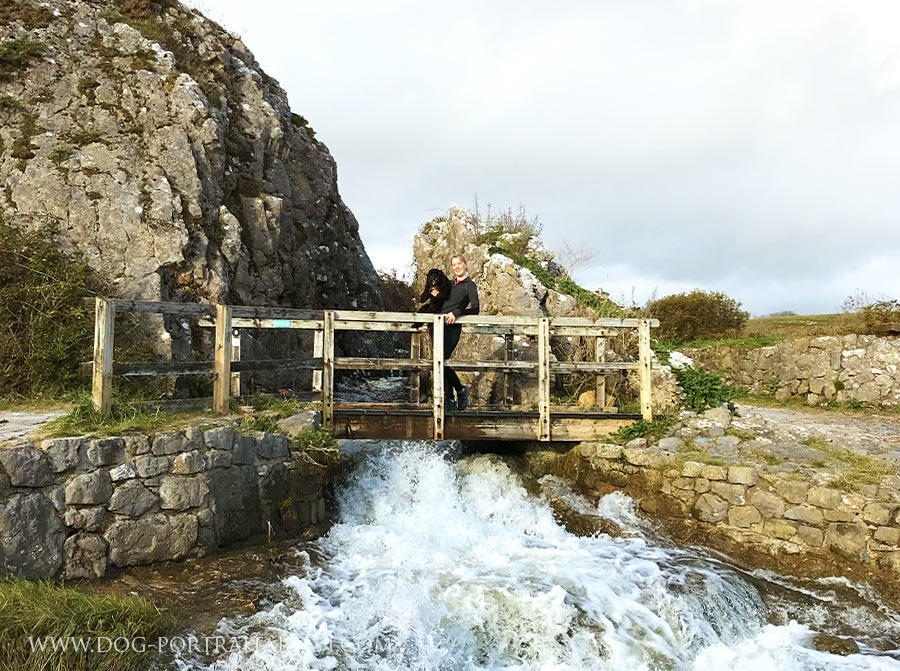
x=453, y=566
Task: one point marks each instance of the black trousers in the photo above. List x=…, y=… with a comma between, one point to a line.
x=451, y=340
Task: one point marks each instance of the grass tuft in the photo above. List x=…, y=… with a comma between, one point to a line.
x=39, y=609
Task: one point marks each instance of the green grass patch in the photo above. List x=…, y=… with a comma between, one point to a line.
x=851, y=407
x=806, y=326
x=283, y=405
x=16, y=55
x=127, y=415
x=252, y=422
x=39, y=609
x=864, y=470
x=656, y=428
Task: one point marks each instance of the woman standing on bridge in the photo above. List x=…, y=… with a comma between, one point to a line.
x=463, y=300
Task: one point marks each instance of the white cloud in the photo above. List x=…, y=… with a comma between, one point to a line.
x=748, y=146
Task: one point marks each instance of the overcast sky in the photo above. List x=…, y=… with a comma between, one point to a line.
x=749, y=147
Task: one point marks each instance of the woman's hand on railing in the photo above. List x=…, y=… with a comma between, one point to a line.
x=449, y=318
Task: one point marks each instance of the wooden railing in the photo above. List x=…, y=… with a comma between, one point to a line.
x=226, y=365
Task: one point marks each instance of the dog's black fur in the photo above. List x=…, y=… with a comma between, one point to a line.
x=436, y=279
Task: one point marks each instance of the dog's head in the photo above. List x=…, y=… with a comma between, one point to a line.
x=436, y=279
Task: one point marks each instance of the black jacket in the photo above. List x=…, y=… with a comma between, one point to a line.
x=463, y=299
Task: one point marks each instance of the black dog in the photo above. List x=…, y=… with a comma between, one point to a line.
x=431, y=302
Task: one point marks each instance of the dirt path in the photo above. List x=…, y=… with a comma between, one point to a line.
x=875, y=434
x=16, y=426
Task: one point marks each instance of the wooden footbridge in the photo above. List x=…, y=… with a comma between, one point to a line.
x=413, y=420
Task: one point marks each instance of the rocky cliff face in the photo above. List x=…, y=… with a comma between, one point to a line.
x=152, y=141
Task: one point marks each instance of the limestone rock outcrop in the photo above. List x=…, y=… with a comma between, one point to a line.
x=157, y=147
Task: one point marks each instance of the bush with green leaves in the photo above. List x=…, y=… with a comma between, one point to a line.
x=45, y=331
x=698, y=314
x=702, y=389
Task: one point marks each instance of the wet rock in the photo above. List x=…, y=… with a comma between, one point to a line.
x=710, y=508
x=181, y=493
x=26, y=466
x=150, y=540
x=105, y=451
x=63, y=453
x=31, y=536
x=85, y=556
x=581, y=524
x=234, y=500
x=89, y=488
x=835, y=645
x=132, y=499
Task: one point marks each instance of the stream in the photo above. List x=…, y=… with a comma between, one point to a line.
x=445, y=562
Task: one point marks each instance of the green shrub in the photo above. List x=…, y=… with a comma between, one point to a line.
x=45, y=332
x=40, y=609
x=16, y=55
x=320, y=439
x=657, y=428
x=31, y=15
x=699, y=314
x=702, y=389
x=880, y=312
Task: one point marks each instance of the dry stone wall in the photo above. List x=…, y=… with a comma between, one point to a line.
x=73, y=507
x=829, y=368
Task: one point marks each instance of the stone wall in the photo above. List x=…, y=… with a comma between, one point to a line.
x=828, y=368
x=765, y=515
x=73, y=507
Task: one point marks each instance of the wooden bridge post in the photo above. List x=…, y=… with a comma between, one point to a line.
x=222, y=365
x=318, y=341
x=600, y=384
x=101, y=382
x=236, y=356
x=437, y=393
x=645, y=379
x=544, y=377
x=415, y=351
x=328, y=371
x=509, y=354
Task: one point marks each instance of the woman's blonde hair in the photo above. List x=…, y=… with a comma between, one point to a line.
x=461, y=258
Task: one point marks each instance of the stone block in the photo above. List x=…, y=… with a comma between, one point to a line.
x=85, y=556
x=824, y=497
x=779, y=528
x=670, y=444
x=219, y=458
x=840, y=515
x=194, y=436
x=734, y=494
x=244, y=449
x=743, y=516
x=300, y=422
x=888, y=535
x=171, y=442
x=188, y=463
x=719, y=416
x=714, y=431
x=235, y=504
x=57, y=496
x=711, y=472
x=136, y=445
x=768, y=504
x=848, y=540
x=609, y=451
x=64, y=454
x=793, y=491
x=810, y=536
x=877, y=513
x=89, y=519
x=710, y=508
x=26, y=466
x=683, y=483
x=125, y=471
x=805, y=513
x=701, y=485
x=182, y=492
x=219, y=438
x=132, y=499
x=637, y=456
x=272, y=446
x=149, y=466
x=105, y=451
x=636, y=443
x=691, y=469
x=31, y=544
x=743, y=475
x=89, y=488
x=152, y=539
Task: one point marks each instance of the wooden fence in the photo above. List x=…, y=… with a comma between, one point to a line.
x=229, y=319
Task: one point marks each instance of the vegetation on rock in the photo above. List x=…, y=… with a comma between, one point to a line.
x=698, y=314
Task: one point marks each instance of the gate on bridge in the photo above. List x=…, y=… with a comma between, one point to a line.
x=413, y=420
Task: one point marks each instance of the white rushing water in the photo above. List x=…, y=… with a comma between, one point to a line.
x=453, y=566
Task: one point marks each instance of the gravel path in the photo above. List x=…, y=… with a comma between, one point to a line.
x=15, y=426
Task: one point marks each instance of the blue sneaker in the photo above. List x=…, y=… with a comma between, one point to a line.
x=449, y=404
x=463, y=398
